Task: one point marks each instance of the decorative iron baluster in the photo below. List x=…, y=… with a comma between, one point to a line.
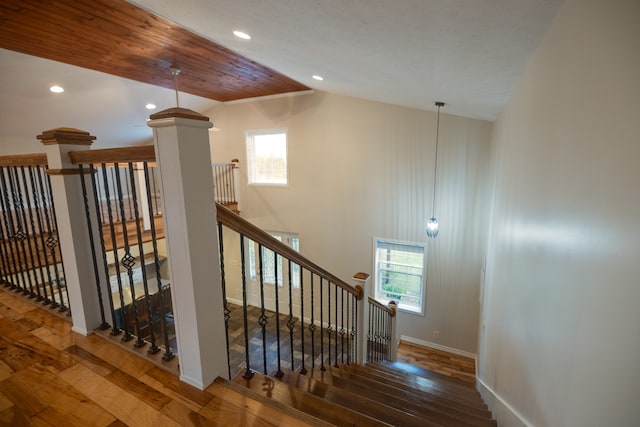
x=128, y=260
x=247, y=373
x=342, y=329
x=54, y=218
x=23, y=192
x=303, y=369
x=36, y=233
x=263, y=319
x=354, y=304
x=279, y=372
x=322, y=368
x=370, y=335
x=99, y=221
x=133, y=198
x=335, y=334
x=19, y=233
x=329, y=329
x=42, y=223
x=291, y=323
x=227, y=312
x=116, y=260
x=168, y=353
x=312, y=326
x=8, y=223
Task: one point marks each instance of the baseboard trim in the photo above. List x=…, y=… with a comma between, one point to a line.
x=435, y=346
x=502, y=412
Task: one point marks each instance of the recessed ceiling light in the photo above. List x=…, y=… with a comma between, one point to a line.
x=317, y=77
x=242, y=35
x=56, y=89
x=150, y=106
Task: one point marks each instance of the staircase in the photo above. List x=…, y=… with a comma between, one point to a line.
x=376, y=394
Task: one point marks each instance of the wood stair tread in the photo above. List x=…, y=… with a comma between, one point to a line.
x=447, y=413
x=356, y=402
x=421, y=385
x=404, y=368
x=269, y=409
x=306, y=402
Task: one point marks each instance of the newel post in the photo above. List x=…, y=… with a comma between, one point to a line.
x=73, y=234
x=181, y=141
x=362, y=322
x=393, y=339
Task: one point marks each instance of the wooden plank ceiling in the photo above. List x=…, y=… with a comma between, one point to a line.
x=118, y=38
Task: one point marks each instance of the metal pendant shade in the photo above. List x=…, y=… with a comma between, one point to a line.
x=433, y=227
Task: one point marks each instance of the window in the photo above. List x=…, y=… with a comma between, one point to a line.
x=399, y=272
x=268, y=264
x=267, y=157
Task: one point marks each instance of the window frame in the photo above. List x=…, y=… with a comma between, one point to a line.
x=250, y=152
x=377, y=290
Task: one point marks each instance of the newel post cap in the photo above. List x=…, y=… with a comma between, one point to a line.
x=183, y=113
x=64, y=135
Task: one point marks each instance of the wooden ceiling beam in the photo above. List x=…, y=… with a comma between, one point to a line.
x=116, y=37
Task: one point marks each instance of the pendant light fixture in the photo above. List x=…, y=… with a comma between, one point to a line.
x=432, y=225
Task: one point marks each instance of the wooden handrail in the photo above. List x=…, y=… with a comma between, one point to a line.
x=38, y=159
x=244, y=227
x=389, y=310
x=141, y=153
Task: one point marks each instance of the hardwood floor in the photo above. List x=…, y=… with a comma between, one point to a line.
x=50, y=376
x=439, y=361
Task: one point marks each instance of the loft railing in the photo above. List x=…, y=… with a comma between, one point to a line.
x=380, y=331
x=128, y=263
x=31, y=262
x=317, y=310
x=225, y=183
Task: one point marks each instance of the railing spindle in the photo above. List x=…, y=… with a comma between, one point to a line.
x=62, y=307
x=279, y=372
x=225, y=304
x=248, y=373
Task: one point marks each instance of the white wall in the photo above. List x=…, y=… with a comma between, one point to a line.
x=16, y=145
x=561, y=332
x=360, y=169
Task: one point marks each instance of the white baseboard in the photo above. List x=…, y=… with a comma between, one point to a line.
x=502, y=412
x=437, y=346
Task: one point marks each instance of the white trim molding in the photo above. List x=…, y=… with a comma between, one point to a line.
x=500, y=409
x=437, y=346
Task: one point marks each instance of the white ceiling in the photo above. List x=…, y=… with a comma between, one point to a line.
x=467, y=53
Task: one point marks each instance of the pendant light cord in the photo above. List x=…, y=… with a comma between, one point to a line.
x=435, y=173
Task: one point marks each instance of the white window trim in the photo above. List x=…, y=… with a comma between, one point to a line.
x=251, y=133
x=422, y=311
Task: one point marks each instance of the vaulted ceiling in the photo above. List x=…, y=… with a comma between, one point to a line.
x=468, y=53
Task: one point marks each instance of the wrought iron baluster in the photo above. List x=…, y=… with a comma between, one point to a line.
x=133, y=198
x=322, y=368
x=342, y=329
x=354, y=340
x=168, y=353
x=312, y=326
x=33, y=201
x=263, y=319
x=227, y=312
x=83, y=176
x=279, y=372
x=291, y=322
x=335, y=334
x=54, y=218
x=19, y=232
x=248, y=373
x=116, y=260
x=29, y=232
x=329, y=329
x=10, y=246
x=39, y=194
x=369, y=348
x=303, y=369
x=128, y=260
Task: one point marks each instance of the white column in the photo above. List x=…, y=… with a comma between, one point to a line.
x=182, y=153
x=361, y=281
x=73, y=233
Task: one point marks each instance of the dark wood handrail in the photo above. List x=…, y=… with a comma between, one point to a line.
x=244, y=227
x=141, y=153
x=38, y=159
x=378, y=304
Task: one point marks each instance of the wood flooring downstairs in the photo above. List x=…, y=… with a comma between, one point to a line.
x=50, y=376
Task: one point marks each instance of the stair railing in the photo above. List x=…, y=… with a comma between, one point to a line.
x=317, y=310
x=225, y=176
x=381, y=331
x=31, y=262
